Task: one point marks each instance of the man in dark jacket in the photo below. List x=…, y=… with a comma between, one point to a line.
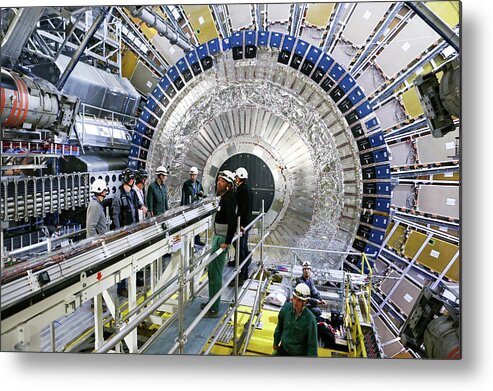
x=244, y=200
x=315, y=299
x=157, y=193
x=126, y=202
x=224, y=230
x=296, y=331
x=126, y=205
x=192, y=191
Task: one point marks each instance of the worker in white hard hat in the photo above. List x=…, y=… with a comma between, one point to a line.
x=224, y=230
x=191, y=192
x=96, y=221
x=244, y=200
x=157, y=193
x=315, y=299
x=296, y=330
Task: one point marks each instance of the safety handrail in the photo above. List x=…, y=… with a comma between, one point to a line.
x=118, y=337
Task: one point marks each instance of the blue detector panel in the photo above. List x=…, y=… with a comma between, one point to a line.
x=382, y=172
x=380, y=221
x=202, y=51
x=157, y=93
x=356, y=96
x=164, y=83
x=132, y=163
x=325, y=63
x=151, y=104
x=364, y=109
x=140, y=128
x=226, y=43
x=213, y=46
x=262, y=38
x=172, y=73
x=382, y=204
x=250, y=38
x=301, y=48
x=371, y=251
x=383, y=188
x=371, y=124
x=136, y=138
x=376, y=139
x=288, y=43
x=314, y=54
x=145, y=116
x=336, y=72
x=347, y=83
x=192, y=57
x=377, y=236
x=237, y=39
x=182, y=65
x=275, y=40
x=381, y=155
x=134, y=151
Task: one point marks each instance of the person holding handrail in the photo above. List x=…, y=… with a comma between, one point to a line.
x=224, y=230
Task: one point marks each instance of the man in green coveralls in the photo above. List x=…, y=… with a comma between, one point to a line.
x=224, y=230
x=296, y=331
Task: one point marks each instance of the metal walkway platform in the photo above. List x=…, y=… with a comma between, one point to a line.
x=199, y=336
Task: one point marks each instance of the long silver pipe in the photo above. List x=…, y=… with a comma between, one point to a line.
x=153, y=21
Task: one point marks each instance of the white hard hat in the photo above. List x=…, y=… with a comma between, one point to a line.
x=98, y=186
x=161, y=170
x=306, y=265
x=227, y=175
x=194, y=170
x=241, y=173
x=302, y=291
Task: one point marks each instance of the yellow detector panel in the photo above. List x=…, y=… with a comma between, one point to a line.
x=203, y=25
x=318, y=14
x=411, y=103
x=448, y=11
x=129, y=63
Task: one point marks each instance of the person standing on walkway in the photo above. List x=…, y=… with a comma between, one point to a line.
x=157, y=193
x=224, y=230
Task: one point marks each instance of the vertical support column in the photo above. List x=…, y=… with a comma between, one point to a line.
x=181, y=291
x=52, y=336
x=131, y=339
x=237, y=271
x=262, y=234
x=98, y=321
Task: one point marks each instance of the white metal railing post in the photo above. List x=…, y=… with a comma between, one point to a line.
x=262, y=227
x=181, y=292
x=237, y=271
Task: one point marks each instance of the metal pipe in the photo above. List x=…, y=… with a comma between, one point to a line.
x=153, y=21
x=80, y=50
x=437, y=24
